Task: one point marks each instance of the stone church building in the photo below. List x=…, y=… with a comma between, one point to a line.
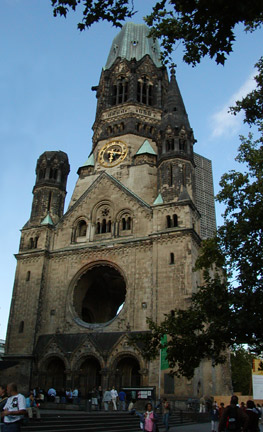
x=126, y=246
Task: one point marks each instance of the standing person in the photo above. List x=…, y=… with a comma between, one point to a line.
x=31, y=406
x=166, y=413
x=100, y=397
x=114, y=395
x=14, y=409
x=233, y=417
x=75, y=395
x=253, y=417
x=122, y=400
x=94, y=398
x=149, y=419
x=107, y=399
x=214, y=413
x=221, y=409
x=3, y=399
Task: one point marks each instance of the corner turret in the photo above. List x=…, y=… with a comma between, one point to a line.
x=50, y=188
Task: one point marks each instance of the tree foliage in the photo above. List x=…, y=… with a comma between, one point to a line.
x=204, y=27
x=226, y=311
x=241, y=369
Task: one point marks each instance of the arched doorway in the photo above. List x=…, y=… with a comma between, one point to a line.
x=53, y=374
x=127, y=372
x=88, y=375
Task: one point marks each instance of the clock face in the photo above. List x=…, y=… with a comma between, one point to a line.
x=112, y=153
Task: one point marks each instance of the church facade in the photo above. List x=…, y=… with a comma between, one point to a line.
x=125, y=248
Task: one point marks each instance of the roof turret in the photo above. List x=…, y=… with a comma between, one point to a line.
x=174, y=113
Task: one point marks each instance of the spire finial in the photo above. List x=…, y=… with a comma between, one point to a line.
x=172, y=69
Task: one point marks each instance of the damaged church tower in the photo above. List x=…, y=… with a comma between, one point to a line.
x=125, y=248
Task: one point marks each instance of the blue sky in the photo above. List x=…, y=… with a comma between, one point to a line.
x=47, y=70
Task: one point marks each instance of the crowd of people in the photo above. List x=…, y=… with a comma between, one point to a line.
x=14, y=407
x=235, y=417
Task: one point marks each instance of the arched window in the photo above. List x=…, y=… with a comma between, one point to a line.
x=31, y=243
x=125, y=223
x=168, y=221
x=170, y=144
x=81, y=230
x=171, y=222
x=120, y=91
x=145, y=91
x=21, y=327
x=28, y=276
x=98, y=228
x=35, y=242
x=171, y=258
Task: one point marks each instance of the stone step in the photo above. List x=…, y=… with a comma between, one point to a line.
x=101, y=422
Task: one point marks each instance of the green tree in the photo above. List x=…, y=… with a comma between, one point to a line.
x=226, y=311
x=204, y=27
x=241, y=368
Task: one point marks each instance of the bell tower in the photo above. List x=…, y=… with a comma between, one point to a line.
x=50, y=188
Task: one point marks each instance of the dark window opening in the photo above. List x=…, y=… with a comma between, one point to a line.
x=28, y=276
x=169, y=144
x=81, y=229
x=170, y=181
x=171, y=222
x=104, y=226
x=145, y=91
x=21, y=327
x=120, y=92
x=35, y=242
x=171, y=258
x=99, y=294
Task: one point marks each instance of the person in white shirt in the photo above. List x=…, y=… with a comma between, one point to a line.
x=14, y=409
x=114, y=395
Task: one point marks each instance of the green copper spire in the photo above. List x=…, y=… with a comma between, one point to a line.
x=132, y=42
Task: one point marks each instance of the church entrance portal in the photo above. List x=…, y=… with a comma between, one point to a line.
x=127, y=373
x=99, y=294
x=89, y=376
x=53, y=374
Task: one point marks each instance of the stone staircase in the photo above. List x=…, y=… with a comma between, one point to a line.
x=95, y=422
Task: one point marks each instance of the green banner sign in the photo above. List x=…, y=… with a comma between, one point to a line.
x=164, y=361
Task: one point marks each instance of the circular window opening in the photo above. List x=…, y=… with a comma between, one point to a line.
x=99, y=294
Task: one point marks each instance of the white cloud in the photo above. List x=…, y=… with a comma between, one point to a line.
x=224, y=123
